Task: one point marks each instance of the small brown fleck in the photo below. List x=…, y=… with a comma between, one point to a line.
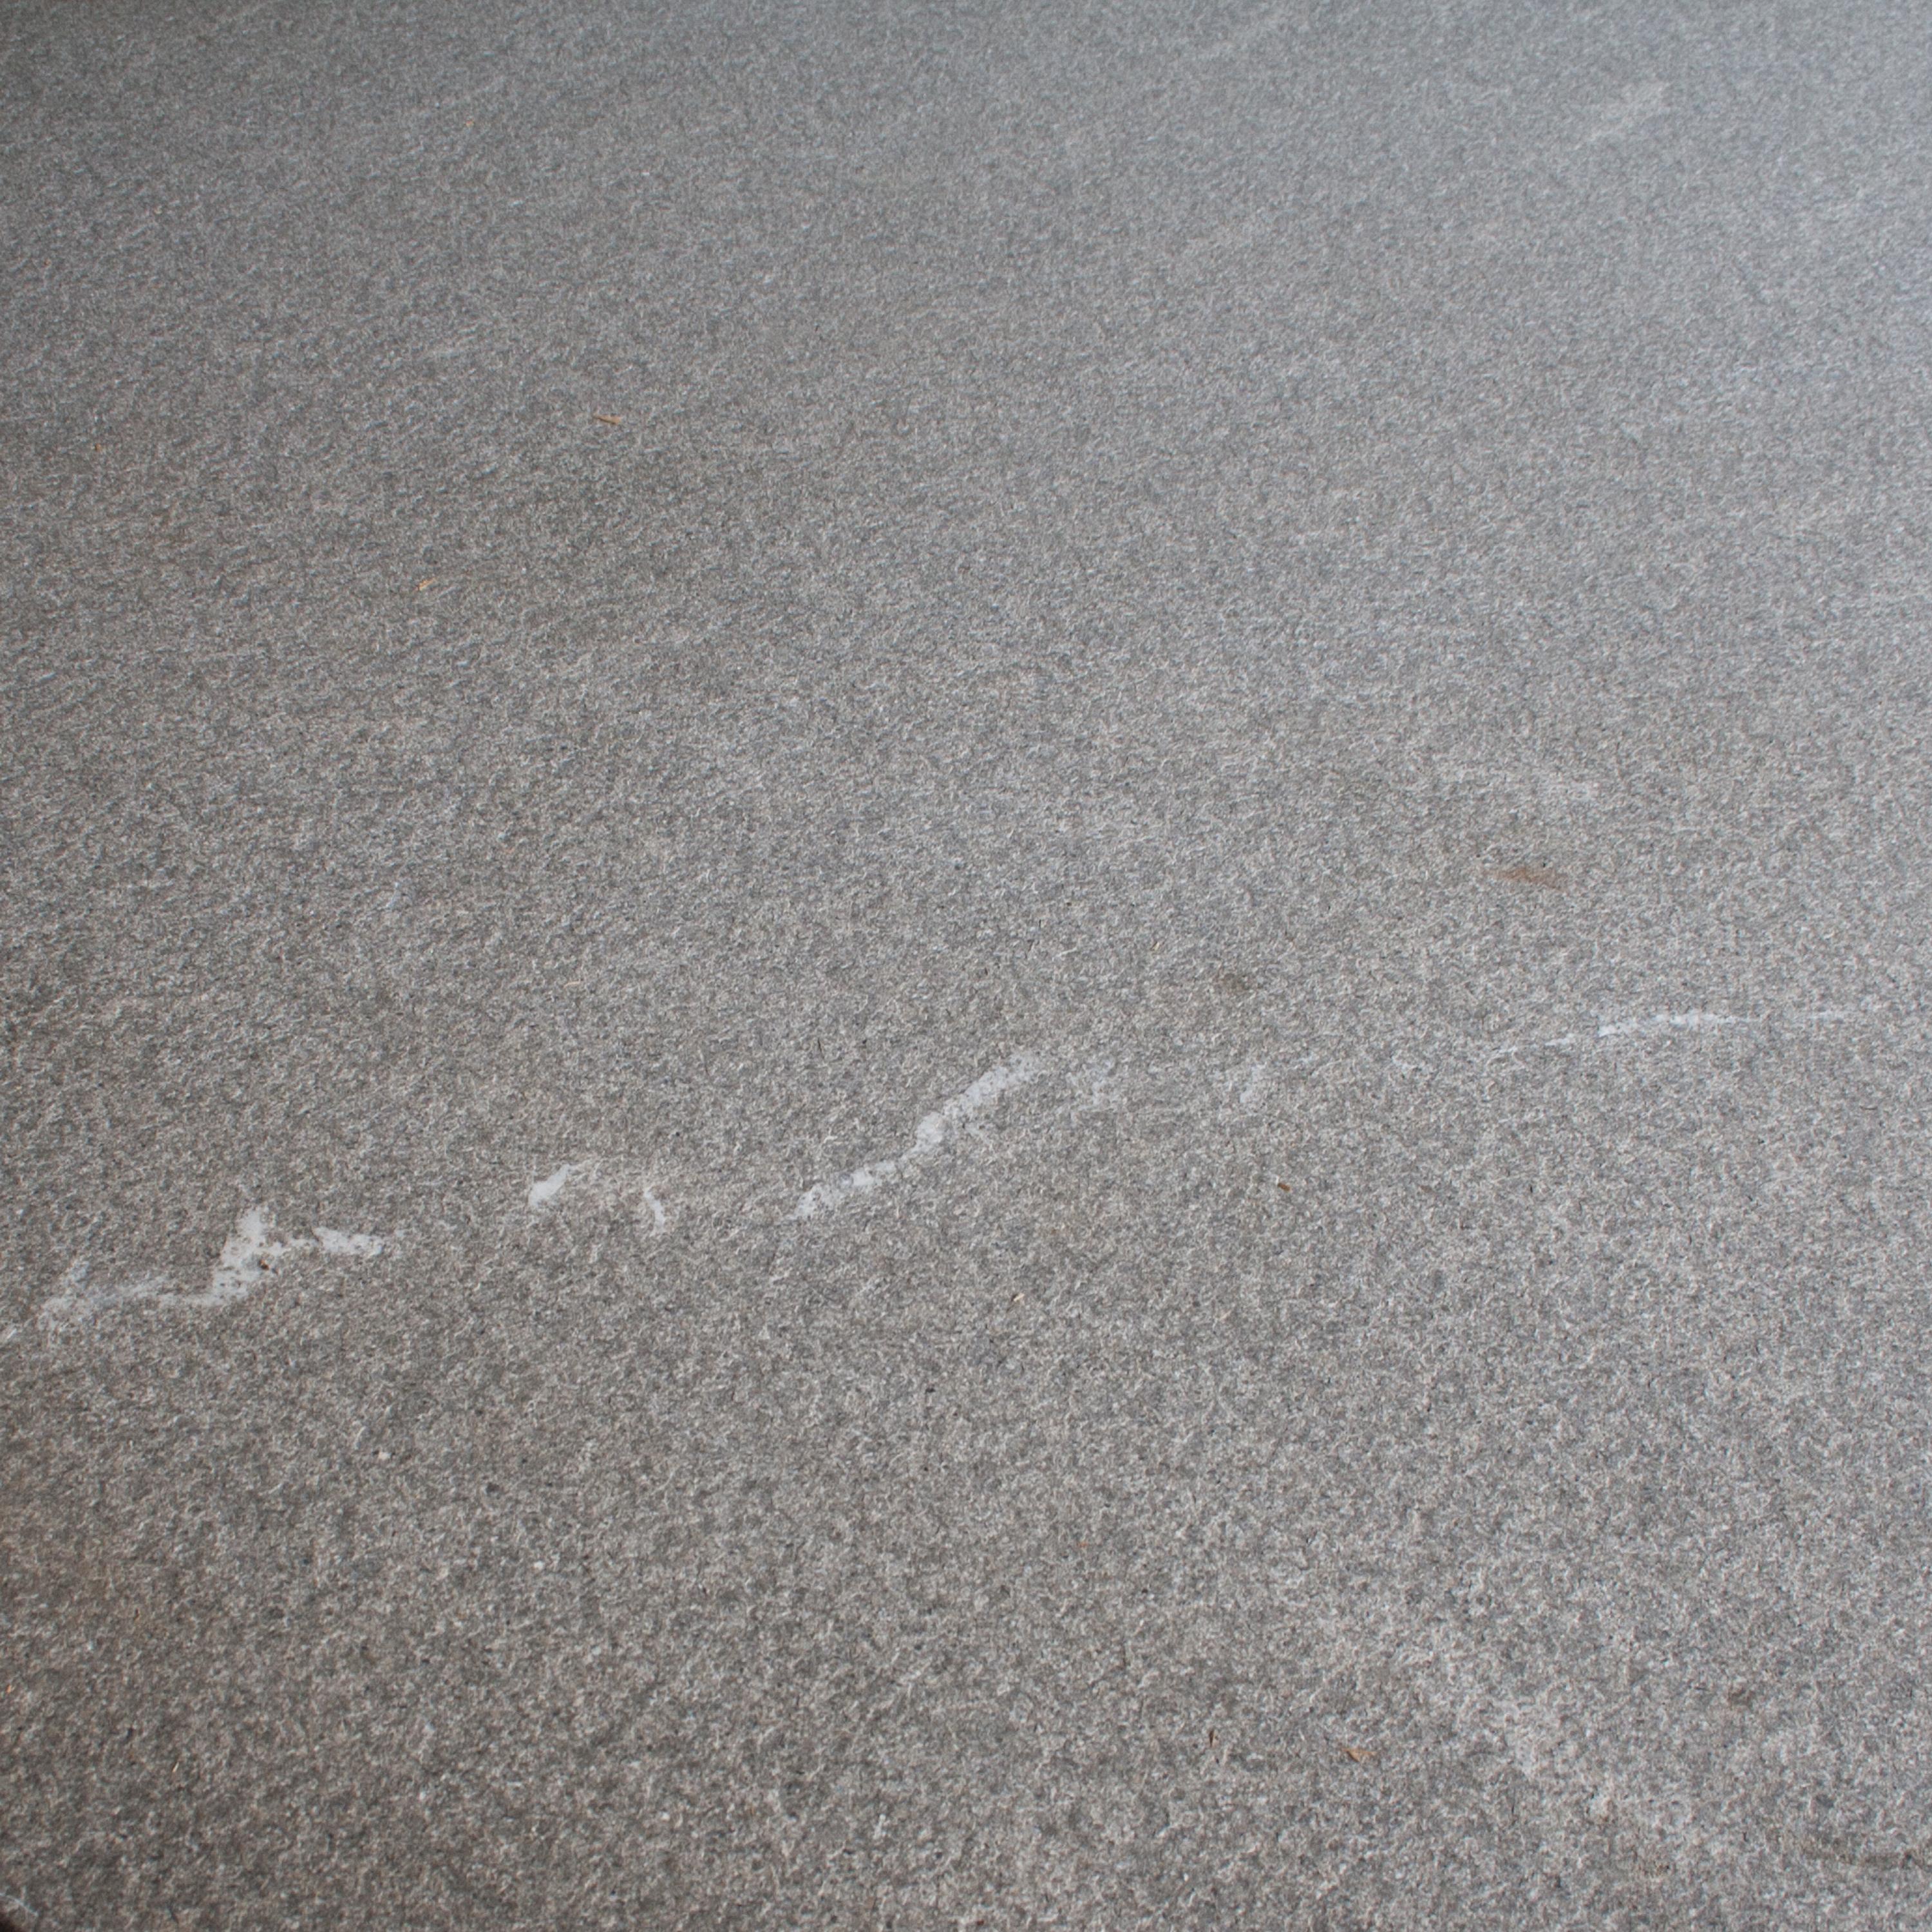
x=615, y=422
x=1544, y=876
x=1356, y=1756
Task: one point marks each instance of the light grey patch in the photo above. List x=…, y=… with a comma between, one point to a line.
x=1629, y=111
x=86, y=1299
x=543, y=1193
x=934, y=1131
x=1653, y=1026
x=589, y=1180
x=1242, y=40
x=1246, y=1086
x=242, y=1265
x=352, y=1247
x=246, y=1258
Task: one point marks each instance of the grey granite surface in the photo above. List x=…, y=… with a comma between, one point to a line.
x=964, y=966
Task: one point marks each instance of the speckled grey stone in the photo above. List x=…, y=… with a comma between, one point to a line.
x=1099, y=834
